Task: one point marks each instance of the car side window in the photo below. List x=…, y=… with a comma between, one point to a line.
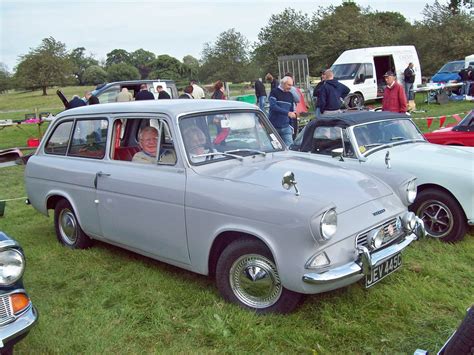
x=109, y=95
x=325, y=139
x=89, y=139
x=369, y=71
x=145, y=140
x=59, y=139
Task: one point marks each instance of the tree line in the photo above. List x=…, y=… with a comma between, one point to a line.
x=444, y=34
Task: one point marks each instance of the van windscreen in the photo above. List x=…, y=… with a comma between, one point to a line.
x=345, y=71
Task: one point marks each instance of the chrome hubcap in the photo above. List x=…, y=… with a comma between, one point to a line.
x=68, y=226
x=437, y=218
x=255, y=281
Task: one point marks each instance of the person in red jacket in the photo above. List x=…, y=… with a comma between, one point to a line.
x=394, y=98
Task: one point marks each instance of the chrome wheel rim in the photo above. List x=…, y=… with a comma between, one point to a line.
x=68, y=226
x=437, y=218
x=255, y=282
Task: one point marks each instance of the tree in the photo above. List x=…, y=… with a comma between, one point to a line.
x=286, y=33
x=5, y=78
x=191, y=66
x=94, y=75
x=440, y=27
x=80, y=63
x=166, y=67
x=142, y=60
x=117, y=56
x=227, y=58
x=44, y=66
x=122, y=71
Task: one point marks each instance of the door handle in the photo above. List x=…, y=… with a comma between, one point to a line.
x=99, y=173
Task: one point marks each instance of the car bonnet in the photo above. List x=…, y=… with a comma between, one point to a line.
x=346, y=188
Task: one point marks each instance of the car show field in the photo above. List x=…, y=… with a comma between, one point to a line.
x=107, y=299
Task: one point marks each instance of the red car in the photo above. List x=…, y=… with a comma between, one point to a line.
x=461, y=134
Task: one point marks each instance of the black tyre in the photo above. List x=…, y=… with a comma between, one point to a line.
x=246, y=275
x=68, y=230
x=441, y=214
x=354, y=101
x=462, y=341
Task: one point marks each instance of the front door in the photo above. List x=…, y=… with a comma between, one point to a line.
x=141, y=205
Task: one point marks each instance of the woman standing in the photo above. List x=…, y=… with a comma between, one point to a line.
x=218, y=93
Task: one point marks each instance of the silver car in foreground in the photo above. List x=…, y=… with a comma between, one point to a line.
x=215, y=191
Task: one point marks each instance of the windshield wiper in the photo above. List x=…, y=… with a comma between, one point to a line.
x=212, y=154
x=397, y=138
x=371, y=145
x=246, y=150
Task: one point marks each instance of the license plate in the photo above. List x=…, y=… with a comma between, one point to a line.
x=384, y=269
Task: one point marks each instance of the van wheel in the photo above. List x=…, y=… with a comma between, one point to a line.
x=356, y=101
x=68, y=230
x=441, y=214
x=246, y=274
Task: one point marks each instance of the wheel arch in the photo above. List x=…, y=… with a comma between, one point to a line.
x=222, y=241
x=443, y=189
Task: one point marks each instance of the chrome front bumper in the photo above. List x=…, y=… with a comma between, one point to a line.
x=19, y=326
x=365, y=261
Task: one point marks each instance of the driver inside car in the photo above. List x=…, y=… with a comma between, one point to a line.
x=148, y=142
x=195, y=142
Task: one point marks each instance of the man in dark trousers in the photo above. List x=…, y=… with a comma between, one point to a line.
x=331, y=95
x=76, y=102
x=409, y=76
x=162, y=94
x=282, y=108
x=260, y=93
x=144, y=94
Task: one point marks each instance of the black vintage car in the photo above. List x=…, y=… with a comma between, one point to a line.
x=17, y=313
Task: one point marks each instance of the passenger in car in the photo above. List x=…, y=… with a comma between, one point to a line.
x=195, y=142
x=148, y=141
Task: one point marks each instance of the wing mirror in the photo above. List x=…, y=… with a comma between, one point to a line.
x=289, y=181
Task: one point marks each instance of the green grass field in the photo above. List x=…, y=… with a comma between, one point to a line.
x=108, y=300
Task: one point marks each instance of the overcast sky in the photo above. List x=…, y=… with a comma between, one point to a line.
x=176, y=28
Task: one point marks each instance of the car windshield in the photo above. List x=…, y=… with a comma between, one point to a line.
x=452, y=67
x=215, y=137
x=468, y=120
x=375, y=134
x=345, y=71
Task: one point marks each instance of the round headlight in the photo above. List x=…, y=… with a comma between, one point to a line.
x=411, y=191
x=375, y=238
x=409, y=221
x=328, y=224
x=12, y=264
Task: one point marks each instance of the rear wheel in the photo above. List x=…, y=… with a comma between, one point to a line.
x=442, y=216
x=246, y=274
x=68, y=230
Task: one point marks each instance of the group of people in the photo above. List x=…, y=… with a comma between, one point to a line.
x=328, y=97
x=76, y=101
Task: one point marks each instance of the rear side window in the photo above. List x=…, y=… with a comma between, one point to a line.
x=89, y=139
x=59, y=140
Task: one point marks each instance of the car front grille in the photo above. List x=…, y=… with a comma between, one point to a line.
x=392, y=229
x=6, y=313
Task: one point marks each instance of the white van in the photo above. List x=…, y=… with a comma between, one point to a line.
x=362, y=70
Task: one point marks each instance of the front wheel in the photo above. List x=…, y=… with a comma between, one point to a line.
x=441, y=214
x=246, y=274
x=68, y=230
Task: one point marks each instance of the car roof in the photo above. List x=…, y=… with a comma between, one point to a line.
x=172, y=107
x=351, y=118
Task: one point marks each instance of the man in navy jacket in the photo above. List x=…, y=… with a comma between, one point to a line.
x=331, y=94
x=282, y=109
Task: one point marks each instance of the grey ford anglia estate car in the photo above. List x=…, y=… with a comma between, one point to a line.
x=208, y=185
